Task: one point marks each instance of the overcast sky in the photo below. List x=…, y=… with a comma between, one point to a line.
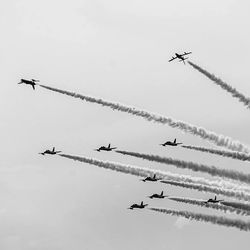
x=117, y=50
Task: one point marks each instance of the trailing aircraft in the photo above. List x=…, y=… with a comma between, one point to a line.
x=170, y=143
x=140, y=206
x=50, y=152
x=158, y=196
x=149, y=178
x=108, y=148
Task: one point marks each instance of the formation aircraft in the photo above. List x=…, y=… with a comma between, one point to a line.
x=31, y=82
x=158, y=196
x=170, y=143
x=149, y=178
x=50, y=152
x=140, y=206
x=213, y=200
x=181, y=57
x=108, y=148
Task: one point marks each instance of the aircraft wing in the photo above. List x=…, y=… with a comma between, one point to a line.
x=172, y=59
x=33, y=86
x=186, y=53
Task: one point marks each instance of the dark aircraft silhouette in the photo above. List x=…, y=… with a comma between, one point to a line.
x=31, y=82
x=169, y=143
x=180, y=56
x=50, y=152
x=140, y=206
x=108, y=148
x=213, y=200
x=158, y=196
x=149, y=178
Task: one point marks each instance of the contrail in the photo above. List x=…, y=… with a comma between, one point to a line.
x=234, y=92
x=198, y=183
x=212, y=170
x=219, y=140
x=242, y=206
x=218, y=220
x=210, y=189
x=216, y=206
x=234, y=155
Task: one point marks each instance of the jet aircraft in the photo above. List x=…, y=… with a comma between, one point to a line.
x=170, y=143
x=50, y=152
x=158, y=196
x=149, y=178
x=140, y=206
x=213, y=200
x=180, y=56
x=108, y=148
x=31, y=82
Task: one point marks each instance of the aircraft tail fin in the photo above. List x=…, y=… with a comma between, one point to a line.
x=215, y=198
x=53, y=149
x=161, y=192
x=175, y=140
x=109, y=145
x=142, y=203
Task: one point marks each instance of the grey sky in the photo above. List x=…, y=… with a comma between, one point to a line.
x=117, y=50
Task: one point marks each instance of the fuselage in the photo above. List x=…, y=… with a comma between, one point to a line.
x=140, y=206
x=158, y=196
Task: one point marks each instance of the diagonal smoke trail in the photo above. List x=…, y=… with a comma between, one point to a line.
x=231, y=174
x=143, y=172
x=210, y=189
x=216, y=206
x=234, y=92
x=234, y=155
x=218, y=220
x=242, y=206
x=219, y=140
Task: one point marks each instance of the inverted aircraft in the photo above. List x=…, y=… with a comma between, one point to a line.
x=31, y=82
x=181, y=57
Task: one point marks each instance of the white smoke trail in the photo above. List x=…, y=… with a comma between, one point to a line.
x=242, y=206
x=143, y=172
x=211, y=189
x=234, y=155
x=212, y=170
x=218, y=220
x=234, y=92
x=216, y=206
x=219, y=140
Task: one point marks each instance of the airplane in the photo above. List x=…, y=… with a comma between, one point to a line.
x=180, y=56
x=105, y=148
x=50, y=152
x=149, y=178
x=31, y=82
x=159, y=196
x=169, y=143
x=213, y=200
x=140, y=206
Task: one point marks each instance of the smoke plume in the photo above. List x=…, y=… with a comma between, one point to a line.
x=217, y=220
x=234, y=92
x=234, y=155
x=217, y=206
x=212, y=170
x=219, y=140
